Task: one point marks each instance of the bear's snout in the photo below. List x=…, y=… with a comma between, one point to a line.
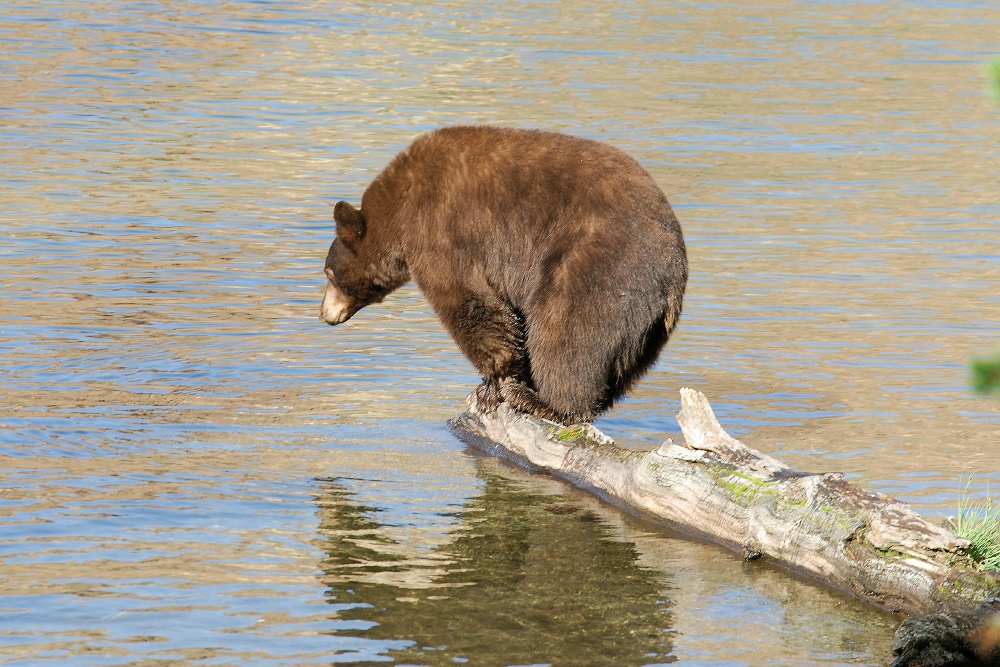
x=336, y=306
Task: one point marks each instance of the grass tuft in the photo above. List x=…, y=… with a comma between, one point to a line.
x=979, y=522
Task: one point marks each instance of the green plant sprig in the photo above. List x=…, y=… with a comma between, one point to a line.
x=993, y=74
x=986, y=374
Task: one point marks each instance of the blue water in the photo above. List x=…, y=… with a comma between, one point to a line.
x=194, y=470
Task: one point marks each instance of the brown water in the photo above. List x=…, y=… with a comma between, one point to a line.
x=193, y=470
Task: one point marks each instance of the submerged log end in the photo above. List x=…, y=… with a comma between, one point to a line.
x=950, y=639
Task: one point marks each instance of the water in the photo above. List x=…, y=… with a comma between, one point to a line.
x=194, y=471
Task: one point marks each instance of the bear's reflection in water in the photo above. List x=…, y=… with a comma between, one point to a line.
x=527, y=578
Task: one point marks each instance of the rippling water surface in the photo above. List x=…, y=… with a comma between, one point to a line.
x=193, y=470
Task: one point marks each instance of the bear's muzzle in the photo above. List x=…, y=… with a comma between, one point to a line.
x=336, y=307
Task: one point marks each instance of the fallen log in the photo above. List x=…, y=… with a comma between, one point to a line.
x=716, y=488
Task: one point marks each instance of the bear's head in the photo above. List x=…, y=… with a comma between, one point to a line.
x=359, y=270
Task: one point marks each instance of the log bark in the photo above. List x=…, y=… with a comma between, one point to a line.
x=716, y=488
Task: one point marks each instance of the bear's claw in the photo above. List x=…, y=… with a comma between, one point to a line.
x=488, y=397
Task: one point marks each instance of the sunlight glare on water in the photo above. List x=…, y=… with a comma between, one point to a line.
x=194, y=470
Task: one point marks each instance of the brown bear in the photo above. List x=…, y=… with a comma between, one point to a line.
x=555, y=262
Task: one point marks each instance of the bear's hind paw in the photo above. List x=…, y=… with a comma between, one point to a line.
x=525, y=399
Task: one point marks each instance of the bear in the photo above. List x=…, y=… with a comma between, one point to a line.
x=555, y=262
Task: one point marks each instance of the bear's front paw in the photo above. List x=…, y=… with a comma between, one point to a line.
x=488, y=397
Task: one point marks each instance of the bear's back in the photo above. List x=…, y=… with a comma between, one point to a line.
x=535, y=173
x=528, y=208
x=480, y=184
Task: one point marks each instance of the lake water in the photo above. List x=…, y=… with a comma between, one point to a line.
x=195, y=471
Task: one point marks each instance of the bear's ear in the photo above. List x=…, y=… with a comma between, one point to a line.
x=351, y=226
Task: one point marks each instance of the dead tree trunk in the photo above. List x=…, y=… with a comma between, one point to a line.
x=716, y=488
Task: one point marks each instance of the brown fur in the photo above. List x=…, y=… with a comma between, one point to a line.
x=555, y=262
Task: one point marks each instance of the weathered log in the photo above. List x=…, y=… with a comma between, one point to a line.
x=716, y=488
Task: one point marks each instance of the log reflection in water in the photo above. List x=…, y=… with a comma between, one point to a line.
x=528, y=578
